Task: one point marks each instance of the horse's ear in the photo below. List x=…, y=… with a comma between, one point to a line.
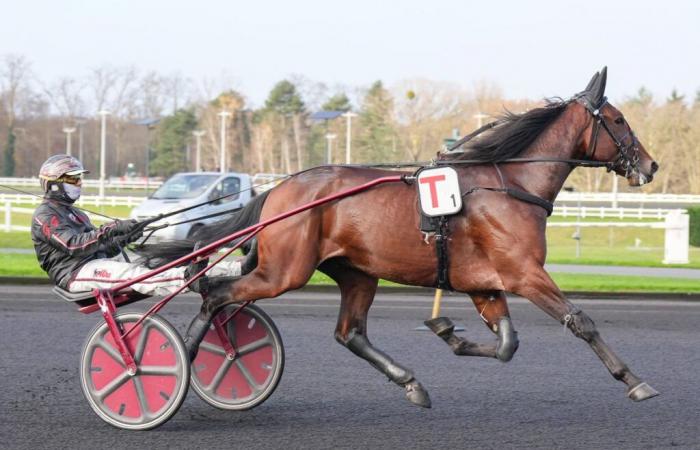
x=591, y=83
x=598, y=89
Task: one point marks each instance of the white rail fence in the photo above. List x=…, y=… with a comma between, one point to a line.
x=604, y=212
x=84, y=200
x=676, y=223
x=676, y=236
x=10, y=210
x=137, y=183
x=627, y=197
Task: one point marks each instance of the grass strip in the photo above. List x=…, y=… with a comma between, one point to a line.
x=20, y=265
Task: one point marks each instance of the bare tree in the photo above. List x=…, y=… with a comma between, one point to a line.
x=14, y=84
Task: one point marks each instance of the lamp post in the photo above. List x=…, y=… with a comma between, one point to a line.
x=103, y=151
x=222, y=160
x=198, y=159
x=69, y=131
x=329, y=140
x=348, y=135
x=150, y=124
x=79, y=122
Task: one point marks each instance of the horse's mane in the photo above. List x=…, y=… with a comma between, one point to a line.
x=513, y=134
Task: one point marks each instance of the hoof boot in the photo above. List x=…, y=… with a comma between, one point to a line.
x=417, y=395
x=642, y=391
x=442, y=326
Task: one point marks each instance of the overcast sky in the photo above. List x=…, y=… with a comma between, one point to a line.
x=529, y=48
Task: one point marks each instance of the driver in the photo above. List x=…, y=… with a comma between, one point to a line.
x=79, y=257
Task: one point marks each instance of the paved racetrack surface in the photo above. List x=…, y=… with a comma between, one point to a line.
x=554, y=394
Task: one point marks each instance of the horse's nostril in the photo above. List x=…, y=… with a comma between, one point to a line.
x=654, y=167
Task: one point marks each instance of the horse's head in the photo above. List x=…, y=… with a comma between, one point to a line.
x=609, y=138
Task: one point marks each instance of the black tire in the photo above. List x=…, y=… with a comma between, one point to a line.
x=253, y=375
x=153, y=395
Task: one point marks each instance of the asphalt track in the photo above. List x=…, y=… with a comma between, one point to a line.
x=554, y=394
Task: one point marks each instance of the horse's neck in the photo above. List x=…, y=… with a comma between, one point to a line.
x=558, y=141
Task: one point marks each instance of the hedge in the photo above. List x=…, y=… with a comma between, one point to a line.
x=694, y=214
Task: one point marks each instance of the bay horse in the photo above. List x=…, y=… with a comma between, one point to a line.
x=496, y=242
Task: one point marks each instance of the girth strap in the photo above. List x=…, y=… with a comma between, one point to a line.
x=443, y=278
x=519, y=195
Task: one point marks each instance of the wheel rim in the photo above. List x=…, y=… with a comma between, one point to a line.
x=148, y=398
x=251, y=377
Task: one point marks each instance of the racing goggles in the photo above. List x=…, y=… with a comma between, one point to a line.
x=71, y=179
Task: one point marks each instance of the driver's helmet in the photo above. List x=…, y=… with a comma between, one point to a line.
x=57, y=168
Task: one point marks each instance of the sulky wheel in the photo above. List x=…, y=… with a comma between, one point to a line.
x=251, y=376
x=152, y=396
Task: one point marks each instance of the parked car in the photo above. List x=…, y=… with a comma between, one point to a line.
x=188, y=189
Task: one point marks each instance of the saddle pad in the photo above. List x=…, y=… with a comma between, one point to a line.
x=438, y=191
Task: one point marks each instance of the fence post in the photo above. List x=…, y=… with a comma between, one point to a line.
x=8, y=217
x=676, y=245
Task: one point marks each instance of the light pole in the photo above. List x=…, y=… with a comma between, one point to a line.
x=150, y=124
x=329, y=139
x=103, y=151
x=348, y=135
x=222, y=160
x=79, y=122
x=68, y=131
x=198, y=159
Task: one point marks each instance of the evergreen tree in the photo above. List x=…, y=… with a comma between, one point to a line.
x=174, y=133
x=9, y=166
x=675, y=97
x=284, y=99
x=644, y=97
x=376, y=138
x=339, y=102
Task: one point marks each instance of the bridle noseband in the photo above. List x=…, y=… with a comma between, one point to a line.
x=627, y=154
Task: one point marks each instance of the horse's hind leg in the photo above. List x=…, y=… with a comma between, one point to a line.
x=493, y=309
x=357, y=291
x=539, y=288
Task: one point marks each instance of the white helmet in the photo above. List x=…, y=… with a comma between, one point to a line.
x=56, y=167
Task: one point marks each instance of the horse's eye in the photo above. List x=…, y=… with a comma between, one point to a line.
x=619, y=120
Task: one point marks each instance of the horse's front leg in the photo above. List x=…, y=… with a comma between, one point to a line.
x=539, y=288
x=493, y=309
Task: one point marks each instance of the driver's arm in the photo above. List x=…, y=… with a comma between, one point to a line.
x=64, y=238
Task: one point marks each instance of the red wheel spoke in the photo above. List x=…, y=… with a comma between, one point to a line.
x=141, y=345
x=253, y=346
x=213, y=348
x=159, y=370
x=111, y=351
x=141, y=396
x=216, y=381
x=112, y=386
x=255, y=387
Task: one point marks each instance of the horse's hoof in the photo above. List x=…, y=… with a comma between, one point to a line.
x=417, y=395
x=642, y=391
x=440, y=326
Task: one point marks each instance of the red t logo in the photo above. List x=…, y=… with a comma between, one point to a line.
x=432, y=181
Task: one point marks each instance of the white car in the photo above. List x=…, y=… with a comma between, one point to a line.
x=189, y=189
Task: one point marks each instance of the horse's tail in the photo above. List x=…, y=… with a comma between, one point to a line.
x=154, y=255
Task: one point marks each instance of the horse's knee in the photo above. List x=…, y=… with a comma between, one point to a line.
x=581, y=325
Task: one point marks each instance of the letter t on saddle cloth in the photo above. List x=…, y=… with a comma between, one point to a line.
x=439, y=197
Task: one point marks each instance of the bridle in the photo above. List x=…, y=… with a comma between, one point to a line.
x=627, y=154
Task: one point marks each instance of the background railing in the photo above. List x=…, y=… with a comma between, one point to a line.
x=84, y=200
